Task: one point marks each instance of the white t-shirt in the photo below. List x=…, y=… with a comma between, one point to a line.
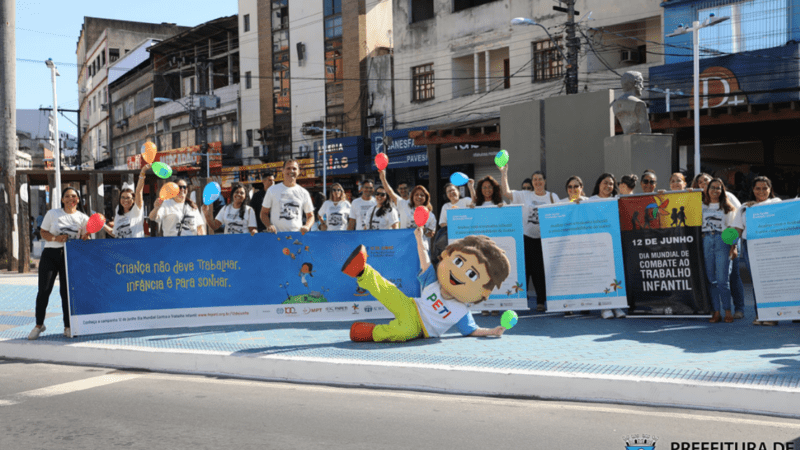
x=461, y=203
x=407, y=216
x=56, y=222
x=740, y=221
x=335, y=214
x=358, y=211
x=178, y=219
x=597, y=197
x=438, y=314
x=715, y=219
x=530, y=202
x=288, y=206
x=229, y=218
x=130, y=224
x=383, y=222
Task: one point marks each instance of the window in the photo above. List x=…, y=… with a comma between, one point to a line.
x=249, y=134
x=753, y=25
x=176, y=140
x=143, y=99
x=423, y=81
x=246, y=23
x=248, y=80
x=547, y=63
x=332, y=7
x=280, y=14
x=118, y=115
x=421, y=10
x=333, y=27
x=281, y=89
x=113, y=54
x=129, y=107
x=103, y=58
x=280, y=41
x=460, y=5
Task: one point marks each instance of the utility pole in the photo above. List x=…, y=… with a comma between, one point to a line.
x=8, y=131
x=78, y=113
x=573, y=48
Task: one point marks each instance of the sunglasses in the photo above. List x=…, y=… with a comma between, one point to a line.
x=380, y=194
x=183, y=188
x=647, y=181
x=336, y=190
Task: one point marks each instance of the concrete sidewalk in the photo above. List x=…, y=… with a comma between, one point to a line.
x=680, y=362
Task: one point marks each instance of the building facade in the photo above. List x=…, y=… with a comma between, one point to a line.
x=101, y=43
x=749, y=89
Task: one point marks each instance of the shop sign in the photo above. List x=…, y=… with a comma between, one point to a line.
x=402, y=151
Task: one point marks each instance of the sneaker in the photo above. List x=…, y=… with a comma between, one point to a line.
x=356, y=262
x=36, y=332
x=540, y=308
x=607, y=314
x=67, y=332
x=620, y=314
x=738, y=315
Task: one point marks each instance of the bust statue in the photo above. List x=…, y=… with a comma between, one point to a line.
x=629, y=109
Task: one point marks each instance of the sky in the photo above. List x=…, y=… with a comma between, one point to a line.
x=50, y=29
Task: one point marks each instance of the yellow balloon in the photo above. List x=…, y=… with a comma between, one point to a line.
x=169, y=190
x=149, y=151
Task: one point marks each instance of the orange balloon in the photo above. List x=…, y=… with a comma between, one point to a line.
x=169, y=190
x=286, y=251
x=149, y=151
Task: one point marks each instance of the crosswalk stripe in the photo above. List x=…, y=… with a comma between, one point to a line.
x=68, y=388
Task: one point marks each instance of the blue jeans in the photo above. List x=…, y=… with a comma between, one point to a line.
x=718, y=270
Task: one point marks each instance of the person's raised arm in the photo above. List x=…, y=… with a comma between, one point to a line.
x=424, y=259
x=210, y=220
x=507, y=194
x=139, y=197
x=389, y=191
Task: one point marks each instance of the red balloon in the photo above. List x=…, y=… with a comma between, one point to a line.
x=95, y=223
x=421, y=215
x=381, y=161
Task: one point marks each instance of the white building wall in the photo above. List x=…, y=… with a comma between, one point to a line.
x=248, y=62
x=307, y=76
x=475, y=31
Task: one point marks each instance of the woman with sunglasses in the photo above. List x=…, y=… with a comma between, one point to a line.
x=575, y=192
x=179, y=215
x=382, y=216
x=59, y=226
x=649, y=181
x=129, y=216
x=237, y=216
x=334, y=212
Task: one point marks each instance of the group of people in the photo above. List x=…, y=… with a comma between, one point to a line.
x=287, y=207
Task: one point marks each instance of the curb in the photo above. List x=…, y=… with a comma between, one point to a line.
x=530, y=384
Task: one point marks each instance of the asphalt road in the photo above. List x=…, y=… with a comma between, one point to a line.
x=48, y=406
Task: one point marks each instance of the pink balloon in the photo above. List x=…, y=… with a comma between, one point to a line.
x=381, y=161
x=421, y=215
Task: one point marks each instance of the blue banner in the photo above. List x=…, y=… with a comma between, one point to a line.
x=401, y=152
x=582, y=252
x=134, y=284
x=343, y=156
x=773, y=247
x=504, y=226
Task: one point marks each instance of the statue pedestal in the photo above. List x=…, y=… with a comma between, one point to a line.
x=634, y=153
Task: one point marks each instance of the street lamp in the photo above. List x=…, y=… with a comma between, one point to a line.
x=325, y=130
x=57, y=151
x=695, y=30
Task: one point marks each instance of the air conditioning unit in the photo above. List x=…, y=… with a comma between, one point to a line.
x=208, y=102
x=629, y=56
x=104, y=107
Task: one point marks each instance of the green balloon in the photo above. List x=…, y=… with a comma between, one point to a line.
x=730, y=235
x=162, y=170
x=508, y=319
x=501, y=159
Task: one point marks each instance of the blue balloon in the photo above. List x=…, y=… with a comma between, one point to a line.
x=459, y=179
x=211, y=192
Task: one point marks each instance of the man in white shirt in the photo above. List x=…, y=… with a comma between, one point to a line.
x=360, y=206
x=286, y=204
